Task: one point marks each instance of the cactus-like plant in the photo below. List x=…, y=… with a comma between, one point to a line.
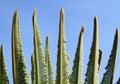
x=20, y=75
x=110, y=68
x=92, y=69
x=40, y=65
x=62, y=76
x=76, y=76
x=48, y=63
x=3, y=72
x=42, y=73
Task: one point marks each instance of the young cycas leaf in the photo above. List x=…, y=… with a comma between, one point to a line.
x=62, y=76
x=33, y=73
x=92, y=69
x=76, y=76
x=3, y=71
x=20, y=75
x=110, y=68
x=40, y=66
x=48, y=63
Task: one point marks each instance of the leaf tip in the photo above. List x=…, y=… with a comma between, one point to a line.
x=83, y=28
x=47, y=39
x=35, y=11
x=62, y=11
x=95, y=20
x=16, y=12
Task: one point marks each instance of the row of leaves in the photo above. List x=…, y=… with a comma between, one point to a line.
x=42, y=71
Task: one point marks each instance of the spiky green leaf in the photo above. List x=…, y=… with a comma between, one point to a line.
x=76, y=76
x=92, y=69
x=48, y=63
x=110, y=68
x=20, y=75
x=3, y=71
x=62, y=76
x=40, y=65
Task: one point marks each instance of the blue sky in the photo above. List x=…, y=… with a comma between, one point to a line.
x=77, y=12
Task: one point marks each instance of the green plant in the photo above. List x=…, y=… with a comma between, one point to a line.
x=62, y=76
x=92, y=70
x=48, y=63
x=3, y=72
x=76, y=76
x=42, y=71
x=110, y=68
x=20, y=75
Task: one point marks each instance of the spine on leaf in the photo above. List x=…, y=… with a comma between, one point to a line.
x=20, y=75
x=76, y=76
x=3, y=71
x=110, y=68
x=62, y=76
x=40, y=65
x=48, y=63
x=92, y=69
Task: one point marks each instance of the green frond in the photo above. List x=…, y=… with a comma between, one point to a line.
x=19, y=67
x=62, y=76
x=76, y=76
x=40, y=65
x=48, y=63
x=92, y=69
x=33, y=73
x=3, y=71
x=110, y=68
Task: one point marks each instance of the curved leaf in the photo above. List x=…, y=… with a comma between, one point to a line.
x=20, y=75
x=3, y=71
x=40, y=66
x=76, y=76
x=92, y=69
x=110, y=68
x=62, y=76
x=48, y=63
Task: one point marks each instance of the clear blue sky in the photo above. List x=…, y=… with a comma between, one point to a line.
x=77, y=12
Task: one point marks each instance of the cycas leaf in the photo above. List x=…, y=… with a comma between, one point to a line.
x=40, y=66
x=62, y=76
x=3, y=71
x=48, y=63
x=92, y=69
x=118, y=82
x=76, y=76
x=110, y=68
x=20, y=75
x=33, y=73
